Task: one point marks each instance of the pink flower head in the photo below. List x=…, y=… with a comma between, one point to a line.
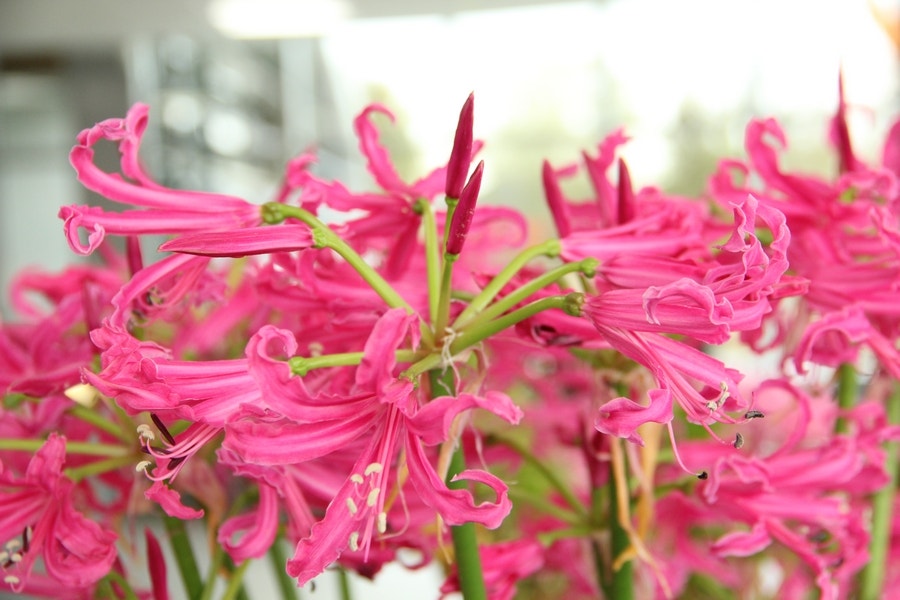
x=38, y=517
x=167, y=211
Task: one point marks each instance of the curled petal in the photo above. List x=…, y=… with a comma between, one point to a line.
x=622, y=416
x=743, y=543
x=259, y=528
x=455, y=506
x=433, y=421
x=377, y=158
x=170, y=501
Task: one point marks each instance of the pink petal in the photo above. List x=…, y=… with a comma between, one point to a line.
x=621, y=416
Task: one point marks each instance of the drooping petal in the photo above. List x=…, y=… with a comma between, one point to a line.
x=622, y=416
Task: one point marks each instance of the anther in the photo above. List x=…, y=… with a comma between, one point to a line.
x=15, y=557
x=703, y=475
x=144, y=432
x=738, y=441
x=142, y=466
x=382, y=522
x=356, y=478
x=354, y=541
x=11, y=580
x=373, y=468
x=754, y=414
x=13, y=545
x=351, y=506
x=4, y=556
x=372, y=498
x=162, y=428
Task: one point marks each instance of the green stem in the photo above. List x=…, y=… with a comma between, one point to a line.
x=324, y=237
x=86, y=448
x=602, y=566
x=301, y=365
x=344, y=584
x=550, y=248
x=548, y=474
x=622, y=584
x=184, y=556
x=545, y=506
x=278, y=559
x=570, y=303
x=440, y=323
x=432, y=256
x=465, y=541
x=91, y=416
x=847, y=391
x=235, y=583
x=872, y=576
x=124, y=586
x=77, y=474
x=451, y=203
x=587, y=266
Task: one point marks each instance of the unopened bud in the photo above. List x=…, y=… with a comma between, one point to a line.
x=555, y=200
x=465, y=210
x=626, y=194
x=461, y=155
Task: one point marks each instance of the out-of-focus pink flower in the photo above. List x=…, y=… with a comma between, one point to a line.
x=38, y=509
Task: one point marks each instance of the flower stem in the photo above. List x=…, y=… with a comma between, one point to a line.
x=277, y=557
x=622, y=584
x=235, y=583
x=872, y=576
x=77, y=474
x=274, y=212
x=301, y=365
x=550, y=248
x=86, y=448
x=548, y=474
x=570, y=303
x=344, y=584
x=440, y=322
x=93, y=417
x=432, y=256
x=465, y=542
x=184, y=556
x=847, y=391
x=586, y=266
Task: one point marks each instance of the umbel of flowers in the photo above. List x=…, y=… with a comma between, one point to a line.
x=555, y=424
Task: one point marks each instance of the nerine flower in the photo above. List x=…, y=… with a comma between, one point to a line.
x=164, y=210
x=38, y=519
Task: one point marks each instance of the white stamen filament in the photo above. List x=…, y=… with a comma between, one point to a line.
x=351, y=506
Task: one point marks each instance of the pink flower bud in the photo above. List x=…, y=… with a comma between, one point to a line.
x=555, y=200
x=626, y=194
x=461, y=155
x=465, y=210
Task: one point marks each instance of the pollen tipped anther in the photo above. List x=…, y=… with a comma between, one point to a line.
x=373, y=468
x=372, y=498
x=738, y=441
x=354, y=541
x=351, y=506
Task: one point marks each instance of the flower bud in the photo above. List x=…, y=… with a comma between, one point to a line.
x=626, y=194
x=465, y=210
x=461, y=155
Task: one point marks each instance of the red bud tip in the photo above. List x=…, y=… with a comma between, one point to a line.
x=555, y=200
x=840, y=132
x=626, y=194
x=465, y=210
x=461, y=156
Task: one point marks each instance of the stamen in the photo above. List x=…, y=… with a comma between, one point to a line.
x=738, y=441
x=11, y=580
x=373, y=468
x=4, y=556
x=351, y=506
x=13, y=545
x=754, y=414
x=354, y=541
x=15, y=557
x=703, y=475
x=372, y=498
x=142, y=466
x=356, y=478
x=145, y=432
x=382, y=522
x=83, y=393
x=27, y=534
x=162, y=429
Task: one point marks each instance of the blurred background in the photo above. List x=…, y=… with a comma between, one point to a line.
x=236, y=87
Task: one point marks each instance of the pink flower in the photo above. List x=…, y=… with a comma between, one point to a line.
x=504, y=564
x=39, y=509
x=167, y=211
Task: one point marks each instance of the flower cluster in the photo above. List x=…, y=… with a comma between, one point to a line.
x=277, y=376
